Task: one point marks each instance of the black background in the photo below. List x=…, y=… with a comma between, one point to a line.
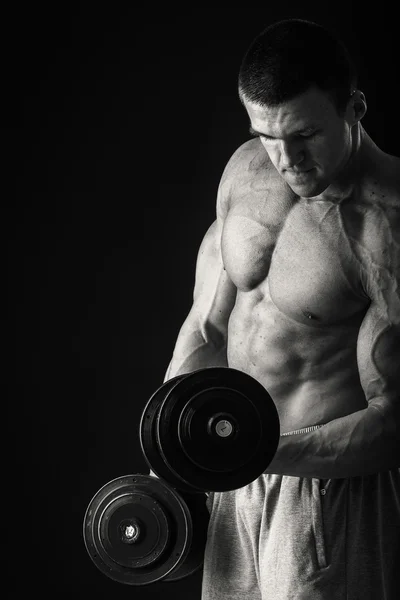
x=119, y=123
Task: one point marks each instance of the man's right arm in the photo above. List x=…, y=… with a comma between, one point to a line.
x=202, y=340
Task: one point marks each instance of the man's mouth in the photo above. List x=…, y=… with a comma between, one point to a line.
x=298, y=175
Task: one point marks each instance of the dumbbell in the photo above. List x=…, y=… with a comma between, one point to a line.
x=139, y=530
x=216, y=429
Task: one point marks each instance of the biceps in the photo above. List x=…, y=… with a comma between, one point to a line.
x=378, y=354
x=214, y=293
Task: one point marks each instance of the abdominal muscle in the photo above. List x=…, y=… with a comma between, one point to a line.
x=310, y=371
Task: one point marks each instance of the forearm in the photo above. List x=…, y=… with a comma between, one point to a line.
x=195, y=351
x=358, y=444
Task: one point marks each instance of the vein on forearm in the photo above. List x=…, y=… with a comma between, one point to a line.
x=359, y=444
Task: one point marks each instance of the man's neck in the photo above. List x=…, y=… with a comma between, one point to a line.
x=351, y=169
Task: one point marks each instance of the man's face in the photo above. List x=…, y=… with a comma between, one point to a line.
x=306, y=139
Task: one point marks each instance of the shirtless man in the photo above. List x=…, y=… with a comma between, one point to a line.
x=298, y=284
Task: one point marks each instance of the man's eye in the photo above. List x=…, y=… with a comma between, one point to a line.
x=307, y=135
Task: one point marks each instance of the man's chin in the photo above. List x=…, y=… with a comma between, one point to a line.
x=307, y=189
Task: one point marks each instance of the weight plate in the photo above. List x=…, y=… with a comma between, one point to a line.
x=217, y=429
x=148, y=437
x=195, y=558
x=137, y=529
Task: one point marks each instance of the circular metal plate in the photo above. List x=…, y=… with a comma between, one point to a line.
x=194, y=560
x=137, y=530
x=148, y=437
x=217, y=429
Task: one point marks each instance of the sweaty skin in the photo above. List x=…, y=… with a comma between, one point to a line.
x=300, y=288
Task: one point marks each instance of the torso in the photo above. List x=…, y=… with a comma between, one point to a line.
x=300, y=299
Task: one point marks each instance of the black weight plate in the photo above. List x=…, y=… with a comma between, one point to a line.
x=194, y=418
x=231, y=423
x=134, y=529
x=137, y=529
x=200, y=518
x=148, y=438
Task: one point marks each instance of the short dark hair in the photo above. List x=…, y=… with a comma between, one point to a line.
x=289, y=57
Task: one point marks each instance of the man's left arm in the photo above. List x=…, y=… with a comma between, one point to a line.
x=367, y=441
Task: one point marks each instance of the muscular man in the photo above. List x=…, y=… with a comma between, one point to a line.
x=298, y=284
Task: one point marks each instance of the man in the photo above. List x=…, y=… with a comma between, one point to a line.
x=298, y=284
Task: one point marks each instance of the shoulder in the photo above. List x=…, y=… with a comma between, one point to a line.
x=248, y=174
x=385, y=182
x=373, y=212
x=247, y=160
x=381, y=200
x=371, y=221
x=374, y=227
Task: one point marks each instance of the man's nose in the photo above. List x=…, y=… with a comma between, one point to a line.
x=291, y=154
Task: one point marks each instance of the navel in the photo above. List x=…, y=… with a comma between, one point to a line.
x=309, y=315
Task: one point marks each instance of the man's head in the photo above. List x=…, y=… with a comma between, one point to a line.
x=298, y=86
x=291, y=56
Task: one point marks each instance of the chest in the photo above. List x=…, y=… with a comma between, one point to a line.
x=301, y=258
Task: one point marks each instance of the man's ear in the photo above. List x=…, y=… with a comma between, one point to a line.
x=357, y=107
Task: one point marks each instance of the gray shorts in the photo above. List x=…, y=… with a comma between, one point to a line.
x=290, y=538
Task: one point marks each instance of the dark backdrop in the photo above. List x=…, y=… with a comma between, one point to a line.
x=120, y=123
